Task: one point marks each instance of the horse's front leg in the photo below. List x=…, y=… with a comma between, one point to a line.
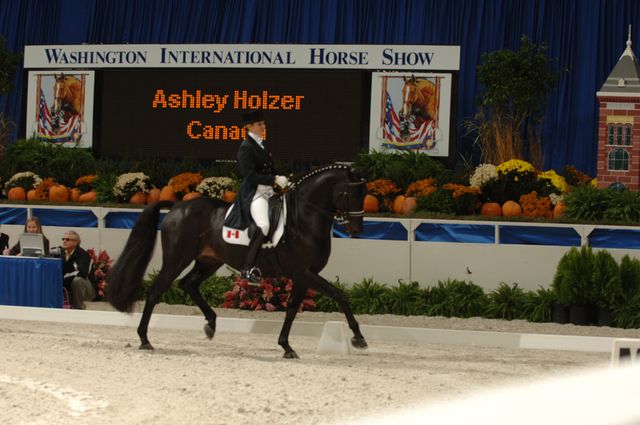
x=297, y=293
x=320, y=284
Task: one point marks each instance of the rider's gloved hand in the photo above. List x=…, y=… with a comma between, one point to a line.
x=282, y=181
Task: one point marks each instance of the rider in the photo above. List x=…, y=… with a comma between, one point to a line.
x=256, y=167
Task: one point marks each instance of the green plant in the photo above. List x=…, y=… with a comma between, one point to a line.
x=104, y=188
x=627, y=315
x=573, y=280
x=629, y=277
x=369, y=297
x=406, y=299
x=439, y=201
x=457, y=298
x=507, y=302
x=623, y=206
x=538, y=305
x=401, y=168
x=606, y=280
x=586, y=203
x=327, y=304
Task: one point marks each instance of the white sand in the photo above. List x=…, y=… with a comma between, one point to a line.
x=55, y=373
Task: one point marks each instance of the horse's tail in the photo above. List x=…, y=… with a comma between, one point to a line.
x=126, y=275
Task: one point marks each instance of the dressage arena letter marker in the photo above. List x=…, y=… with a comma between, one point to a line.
x=242, y=100
x=184, y=100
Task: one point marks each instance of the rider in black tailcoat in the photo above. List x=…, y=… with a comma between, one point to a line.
x=252, y=203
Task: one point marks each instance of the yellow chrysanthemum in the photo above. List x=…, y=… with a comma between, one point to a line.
x=594, y=182
x=556, y=180
x=514, y=165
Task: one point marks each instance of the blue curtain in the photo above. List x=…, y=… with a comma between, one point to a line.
x=587, y=36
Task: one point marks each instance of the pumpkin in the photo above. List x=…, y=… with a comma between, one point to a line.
x=88, y=197
x=75, y=194
x=397, y=204
x=58, y=193
x=138, y=198
x=191, y=195
x=229, y=196
x=492, y=209
x=408, y=205
x=511, y=209
x=559, y=209
x=32, y=196
x=167, y=194
x=371, y=204
x=153, y=195
x=17, y=194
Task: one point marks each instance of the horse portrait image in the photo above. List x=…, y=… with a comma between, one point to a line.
x=419, y=103
x=192, y=231
x=68, y=95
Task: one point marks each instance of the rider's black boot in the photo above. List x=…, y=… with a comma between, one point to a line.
x=249, y=271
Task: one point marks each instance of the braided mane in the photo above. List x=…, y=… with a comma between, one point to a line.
x=321, y=170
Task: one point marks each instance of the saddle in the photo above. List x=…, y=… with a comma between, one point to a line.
x=277, y=220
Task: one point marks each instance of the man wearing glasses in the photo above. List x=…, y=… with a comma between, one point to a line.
x=75, y=271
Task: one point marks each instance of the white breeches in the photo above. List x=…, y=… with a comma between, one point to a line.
x=260, y=207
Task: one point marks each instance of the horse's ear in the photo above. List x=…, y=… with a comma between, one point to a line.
x=413, y=78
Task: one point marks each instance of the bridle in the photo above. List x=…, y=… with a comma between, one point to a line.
x=341, y=214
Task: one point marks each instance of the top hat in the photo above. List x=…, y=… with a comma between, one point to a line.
x=251, y=117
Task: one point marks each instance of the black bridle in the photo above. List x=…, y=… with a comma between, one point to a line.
x=341, y=214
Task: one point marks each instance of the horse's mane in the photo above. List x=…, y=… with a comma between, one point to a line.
x=320, y=170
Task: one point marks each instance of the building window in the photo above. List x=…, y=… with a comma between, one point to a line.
x=627, y=135
x=618, y=135
x=610, y=135
x=619, y=160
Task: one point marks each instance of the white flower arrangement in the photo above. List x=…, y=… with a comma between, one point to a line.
x=555, y=198
x=26, y=180
x=215, y=187
x=482, y=174
x=130, y=183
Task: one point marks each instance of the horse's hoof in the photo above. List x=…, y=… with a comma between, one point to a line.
x=359, y=342
x=146, y=346
x=291, y=355
x=209, y=330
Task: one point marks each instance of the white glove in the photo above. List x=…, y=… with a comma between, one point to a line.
x=282, y=181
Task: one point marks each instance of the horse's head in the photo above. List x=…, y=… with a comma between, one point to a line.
x=409, y=96
x=59, y=92
x=348, y=200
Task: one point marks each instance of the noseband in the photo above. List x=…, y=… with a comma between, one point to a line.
x=344, y=215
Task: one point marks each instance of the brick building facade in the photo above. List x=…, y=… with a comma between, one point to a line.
x=619, y=124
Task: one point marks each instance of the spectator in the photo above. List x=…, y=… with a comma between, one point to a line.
x=75, y=271
x=4, y=243
x=31, y=226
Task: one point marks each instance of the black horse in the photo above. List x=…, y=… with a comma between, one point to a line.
x=193, y=231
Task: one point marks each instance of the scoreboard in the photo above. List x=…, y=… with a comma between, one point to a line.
x=310, y=114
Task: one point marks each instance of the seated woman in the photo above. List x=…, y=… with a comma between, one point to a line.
x=31, y=226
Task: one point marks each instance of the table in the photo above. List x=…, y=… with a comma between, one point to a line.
x=31, y=282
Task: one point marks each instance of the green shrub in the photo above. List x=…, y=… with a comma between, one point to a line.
x=623, y=206
x=586, y=203
x=329, y=305
x=606, y=280
x=538, y=305
x=457, y=298
x=573, y=280
x=507, y=302
x=401, y=168
x=439, y=201
x=212, y=290
x=406, y=299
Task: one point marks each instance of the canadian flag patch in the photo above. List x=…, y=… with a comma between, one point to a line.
x=235, y=234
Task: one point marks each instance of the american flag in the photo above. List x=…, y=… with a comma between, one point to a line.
x=67, y=131
x=418, y=137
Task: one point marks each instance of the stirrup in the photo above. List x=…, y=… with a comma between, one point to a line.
x=252, y=275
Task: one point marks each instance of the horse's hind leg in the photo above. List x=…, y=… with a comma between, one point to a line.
x=163, y=281
x=191, y=283
x=322, y=285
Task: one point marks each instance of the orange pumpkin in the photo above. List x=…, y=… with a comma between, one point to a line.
x=88, y=197
x=559, y=209
x=492, y=209
x=17, y=194
x=138, y=198
x=75, y=194
x=153, y=195
x=229, y=196
x=397, y=204
x=167, y=194
x=58, y=193
x=408, y=205
x=371, y=204
x=32, y=196
x=511, y=209
x=191, y=195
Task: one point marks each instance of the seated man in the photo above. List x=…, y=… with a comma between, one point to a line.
x=75, y=271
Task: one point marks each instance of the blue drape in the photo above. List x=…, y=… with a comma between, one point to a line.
x=587, y=36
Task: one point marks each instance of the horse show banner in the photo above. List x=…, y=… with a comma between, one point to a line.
x=322, y=102
x=60, y=107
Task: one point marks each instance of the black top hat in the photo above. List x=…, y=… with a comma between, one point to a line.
x=251, y=117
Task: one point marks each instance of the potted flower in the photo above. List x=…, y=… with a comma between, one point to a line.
x=22, y=183
x=100, y=268
x=130, y=184
x=385, y=190
x=184, y=184
x=222, y=188
x=84, y=185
